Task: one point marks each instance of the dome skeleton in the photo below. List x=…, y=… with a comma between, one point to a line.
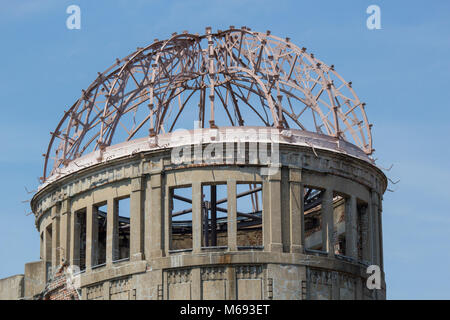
x=235, y=68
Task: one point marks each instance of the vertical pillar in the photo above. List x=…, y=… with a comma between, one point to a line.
x=327, y=223
x=297, y=222
x=154, y=238
x=137, y=219
x=196, y=217
x=231, y=280
x=65, y=231
x=112, y=234
x=351, y=227
x=55, y=235
x=92, y=235
x=213, y=215
x=272, y=216
x=375, y=228
x=74, y=239
x=48, y=243
x=196, y=284
x=365, y=233
x=232, y=217
x=380, y=231
x=168, y=208
x=370, y=232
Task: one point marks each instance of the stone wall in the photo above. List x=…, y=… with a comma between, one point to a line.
x=12, y=288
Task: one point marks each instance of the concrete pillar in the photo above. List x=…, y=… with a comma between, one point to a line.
x=74, y=239
x=297, y=222
x=112, y=234
x=92, y=235
x=376, y=228
x=55, y=235
x=370, y=232
x=327, y=223
x=232, y=217
x=285, y=209
x=231, y=280
x=272, y=213
x=380, y=232
x=196, y=217
x=48, y=231
x=64, y=234
x=365, y=233
x=154, y=223
x=137, y=219
x=351, y=227
x=168, y=207
x=196, y=284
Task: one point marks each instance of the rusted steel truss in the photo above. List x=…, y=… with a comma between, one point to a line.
x=235, y=77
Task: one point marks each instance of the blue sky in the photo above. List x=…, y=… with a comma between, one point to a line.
x=401, y=72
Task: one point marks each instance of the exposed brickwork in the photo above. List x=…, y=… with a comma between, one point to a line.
x=58, y=289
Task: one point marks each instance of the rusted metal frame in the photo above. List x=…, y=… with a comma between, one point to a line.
x=181, y=110
x=368, y=149
x=77, y=146
x=325, y=116
x=165, y=108
x=361, y=129
x=186, y=48
x=287, y=93
x=348, y=125
x=235, y=104
x=259, y=93
x=121, y=110
x=71, y=118
x=211, y=75
x=328, y=87
x=257, y=64
x=122, y=84
x=251, y=107
x=224, y=106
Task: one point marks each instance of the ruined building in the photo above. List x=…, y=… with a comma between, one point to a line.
x=228, y=165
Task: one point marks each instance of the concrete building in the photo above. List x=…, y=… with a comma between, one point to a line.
x=270, y=194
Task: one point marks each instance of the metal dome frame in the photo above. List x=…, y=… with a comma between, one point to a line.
x=236, y=69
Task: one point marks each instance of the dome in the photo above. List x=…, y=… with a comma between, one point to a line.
x=236, y=78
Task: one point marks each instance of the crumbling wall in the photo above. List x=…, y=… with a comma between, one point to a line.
x=58, y=288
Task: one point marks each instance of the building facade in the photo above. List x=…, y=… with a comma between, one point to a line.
x=219, y=212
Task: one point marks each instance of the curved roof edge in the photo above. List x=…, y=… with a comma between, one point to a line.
x=207, y=135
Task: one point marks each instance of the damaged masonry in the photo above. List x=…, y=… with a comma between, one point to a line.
x=272, y=194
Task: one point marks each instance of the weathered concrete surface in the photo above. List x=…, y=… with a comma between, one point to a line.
x=278, y=263
x=11, y=288
x=35, y=278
